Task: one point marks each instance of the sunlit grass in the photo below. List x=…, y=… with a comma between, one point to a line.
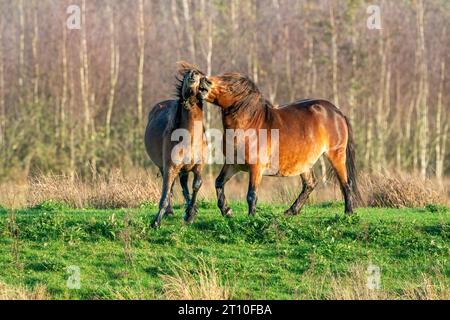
x=320, y=254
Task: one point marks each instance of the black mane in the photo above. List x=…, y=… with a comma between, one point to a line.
x=178, y=88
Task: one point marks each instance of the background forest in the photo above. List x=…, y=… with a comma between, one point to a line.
x=76, y=101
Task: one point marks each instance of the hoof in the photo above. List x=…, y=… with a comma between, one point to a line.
x=290, y=213
x=169, y=213
x=228, y=213
x=156, y=224
x=190, y=215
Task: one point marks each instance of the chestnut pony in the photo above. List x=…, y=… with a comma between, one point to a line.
x=307, y=130
x=163, y=119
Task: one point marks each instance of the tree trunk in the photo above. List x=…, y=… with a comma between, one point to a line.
x=352, y=99
x=21, y=50
x=234, y=5
x=380, y=118
x=2, y=91
x=140, y=75
x=369, y=139
x=189, y=29
x=399, y=118
x=441, y=135
x=62, y=108
x=88, y=97
x=72, y=154
x=84, y=73
x=334, y=56
x=422, y=100
x=34, y=43
x=254, y=46
x=176, y=23
x=113, y=74
x=288, y=63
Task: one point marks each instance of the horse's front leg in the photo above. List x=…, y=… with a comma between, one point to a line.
x=168, y=180
x=255, y=177
x=191, y=210
x=169, y=209
x=227, y=172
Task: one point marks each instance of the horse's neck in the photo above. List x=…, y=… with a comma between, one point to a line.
x=242, y=120
x=191, y=117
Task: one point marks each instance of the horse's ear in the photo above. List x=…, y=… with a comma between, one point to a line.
x=183, y=67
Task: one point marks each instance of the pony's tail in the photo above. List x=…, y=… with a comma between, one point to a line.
x=350, y=164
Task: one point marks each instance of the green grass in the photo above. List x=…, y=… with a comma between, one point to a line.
x=265, y=257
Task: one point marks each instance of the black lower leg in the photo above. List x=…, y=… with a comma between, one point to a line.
x=252, y=199
x=163, y=204
x=169, y=209
x=347, y=198
x=164, y=201
x=184, y=177
x=191, y=210
x=221, y=199
x=225, y=175
x=308, y=184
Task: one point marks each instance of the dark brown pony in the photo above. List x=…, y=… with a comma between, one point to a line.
x=307, y=130
x=164, y=118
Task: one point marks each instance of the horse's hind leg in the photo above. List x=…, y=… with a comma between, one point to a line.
x=337, y=159
x=191, y=210
x=309, y=182
x=253, y=185
x=227, y=172
x=184, y=177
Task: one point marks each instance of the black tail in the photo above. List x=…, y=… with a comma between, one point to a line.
x=351, y=166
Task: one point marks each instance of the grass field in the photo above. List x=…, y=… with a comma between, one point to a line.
x=320, y=254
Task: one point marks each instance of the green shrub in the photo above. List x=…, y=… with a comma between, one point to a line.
x=50, y=206
x=436, y=208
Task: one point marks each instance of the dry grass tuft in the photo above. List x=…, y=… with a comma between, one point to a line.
x=13, y=195
x=400, y=191
x=427, y=290
x=21, y=293
x=203, y=284
x=128, y=293
x=354, y=287
x=119, y=190
x=105, y=192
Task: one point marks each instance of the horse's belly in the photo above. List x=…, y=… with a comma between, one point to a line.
x=294, y=171
x=297, y=164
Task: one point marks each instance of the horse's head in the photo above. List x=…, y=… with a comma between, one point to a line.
x=229, y=90
x=189, y=91
x=216, y=91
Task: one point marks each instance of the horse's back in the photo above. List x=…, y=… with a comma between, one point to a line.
x=161, y=109
x=313, y=111
x=158, y=119
x=308, y=104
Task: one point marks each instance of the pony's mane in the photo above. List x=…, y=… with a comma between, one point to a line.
x=178, y=88
x=247, y=96
x=182, y=68
x=175, y=117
